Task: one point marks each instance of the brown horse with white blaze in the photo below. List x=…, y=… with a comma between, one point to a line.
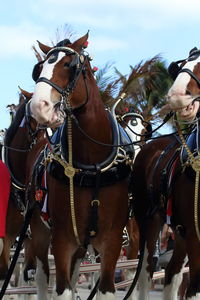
x=90, y=204
x=182, y=191
x=185, y=190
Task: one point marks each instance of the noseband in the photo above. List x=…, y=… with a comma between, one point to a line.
x=78, y=65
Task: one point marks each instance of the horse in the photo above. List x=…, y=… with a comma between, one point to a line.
x=149, y=198
x=138, y=131
x=22, y=139
x=149, y=189
x=185, y=219
x=88, y=202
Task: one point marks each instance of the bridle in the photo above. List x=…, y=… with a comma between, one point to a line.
x=78, y=65
x=175, y=68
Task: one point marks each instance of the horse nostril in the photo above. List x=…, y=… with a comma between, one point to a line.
x=44, y=104
x=188, y=92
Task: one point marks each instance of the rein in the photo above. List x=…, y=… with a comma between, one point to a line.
x=166, y=119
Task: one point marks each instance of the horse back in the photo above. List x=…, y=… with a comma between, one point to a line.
x=150, y=174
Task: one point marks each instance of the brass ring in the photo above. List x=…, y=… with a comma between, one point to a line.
x=95, y=201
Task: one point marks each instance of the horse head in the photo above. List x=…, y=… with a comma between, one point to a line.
x=186, y=87
x=21, y=136
x=60, y=77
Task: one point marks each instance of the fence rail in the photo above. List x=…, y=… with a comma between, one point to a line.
x=88, y=268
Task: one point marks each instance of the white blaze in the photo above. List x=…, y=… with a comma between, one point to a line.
x=42, y=102
x=178, y=99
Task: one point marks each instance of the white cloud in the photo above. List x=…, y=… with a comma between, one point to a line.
x=114, y=24
x=116, y=14
x=18, y=40
x=105, y=43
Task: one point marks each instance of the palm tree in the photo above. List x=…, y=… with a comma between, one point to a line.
x=145, y=86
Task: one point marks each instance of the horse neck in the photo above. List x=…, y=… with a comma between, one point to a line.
x=94, y=121
x=18, y=160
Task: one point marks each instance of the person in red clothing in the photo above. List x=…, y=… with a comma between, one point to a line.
x=4, y=196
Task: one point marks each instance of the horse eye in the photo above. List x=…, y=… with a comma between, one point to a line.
x=67, y=64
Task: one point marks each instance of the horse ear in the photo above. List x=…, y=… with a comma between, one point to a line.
x=79, y=44
x=26, y=94
x=45, y=49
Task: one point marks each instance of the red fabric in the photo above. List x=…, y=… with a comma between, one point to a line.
x=4, y=196
x=169, y=207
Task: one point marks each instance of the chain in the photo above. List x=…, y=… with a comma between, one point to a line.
x=70, y=172
x=195, y=163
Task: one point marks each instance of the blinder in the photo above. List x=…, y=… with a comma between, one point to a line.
x=75, y=63
x=174, y=68
x=37, y=70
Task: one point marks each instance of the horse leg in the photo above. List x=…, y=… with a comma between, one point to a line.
x=63, y=252
x=193, y=250
x=109, y=254
x=29, y=260
x=173, y=271
x=40, y=242
x=149, y=230
x=133, y=246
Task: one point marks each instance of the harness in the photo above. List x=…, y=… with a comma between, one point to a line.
x=17, y=187
x=116, y=167
x=164, y=189
x=58, y=158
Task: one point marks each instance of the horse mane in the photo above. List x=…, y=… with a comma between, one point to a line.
x=12, y=129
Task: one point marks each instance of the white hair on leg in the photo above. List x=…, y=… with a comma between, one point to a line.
x=196, y=297
x=106, y=296
x=144, y=279
x=66, y=295
x=171, y=290
x=41, y=282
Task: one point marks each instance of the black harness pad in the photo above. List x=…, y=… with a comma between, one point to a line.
x=193, y=146
x=88, y=178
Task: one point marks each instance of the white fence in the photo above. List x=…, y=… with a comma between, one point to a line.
x=87, y=268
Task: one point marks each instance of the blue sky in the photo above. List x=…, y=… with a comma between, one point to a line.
x=123, y=32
